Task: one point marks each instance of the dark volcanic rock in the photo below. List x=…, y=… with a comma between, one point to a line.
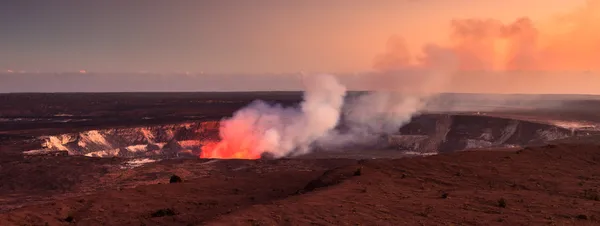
x=175, y=179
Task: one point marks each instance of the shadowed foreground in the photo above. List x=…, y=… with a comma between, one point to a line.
x=552, y=184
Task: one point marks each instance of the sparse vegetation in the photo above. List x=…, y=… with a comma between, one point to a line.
x=427, y=211
x=163, y=212
x=328, y=178
x=69, y=219
x=253, y=222
x=445, y=195
x=591, y=194
x=175, y=179
x=583, y=178
x=502, y=203
x=358, y=172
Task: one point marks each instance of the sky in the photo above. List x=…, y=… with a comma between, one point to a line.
x=267, y=36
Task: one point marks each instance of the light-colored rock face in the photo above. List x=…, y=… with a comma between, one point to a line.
x=161, y=140
x=424, y=134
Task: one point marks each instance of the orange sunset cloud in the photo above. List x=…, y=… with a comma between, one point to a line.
x=566, y=42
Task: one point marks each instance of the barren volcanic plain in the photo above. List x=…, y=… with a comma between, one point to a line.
x=110, y=158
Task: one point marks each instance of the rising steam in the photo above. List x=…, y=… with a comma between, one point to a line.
x=263, y=128
x=367, y=117
x=484, y=56
x=281, y=131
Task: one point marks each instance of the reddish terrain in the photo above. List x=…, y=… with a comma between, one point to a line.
x=553, y=184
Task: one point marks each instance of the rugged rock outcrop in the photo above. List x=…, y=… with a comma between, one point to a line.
x=427, y=134
x=163, y=140
x=446, y=133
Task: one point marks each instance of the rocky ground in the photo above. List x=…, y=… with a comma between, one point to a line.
x=546, y=184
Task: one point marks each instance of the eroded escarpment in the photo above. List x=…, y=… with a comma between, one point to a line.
x=447, y=133
x=170, y=140
x=425, y=134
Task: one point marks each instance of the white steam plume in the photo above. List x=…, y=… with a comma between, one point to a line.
x=394, y=97
x=371, y=115
x=281, y=131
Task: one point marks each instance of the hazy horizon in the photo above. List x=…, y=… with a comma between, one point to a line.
x=401, y=81
x=536, y=46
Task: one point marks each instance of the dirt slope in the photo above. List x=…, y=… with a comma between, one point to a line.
x=545, y=185
x=549, y=185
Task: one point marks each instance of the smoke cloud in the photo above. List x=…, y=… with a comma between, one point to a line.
x=559, y=55
x=399, y=91
x=329, y=120
x=484, y=56
x=261, y=127
x=566, y=42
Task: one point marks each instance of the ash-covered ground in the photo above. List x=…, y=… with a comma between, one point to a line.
x=107, y=158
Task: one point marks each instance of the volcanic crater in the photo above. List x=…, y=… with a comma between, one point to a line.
x=424, y=134
x=79, y=164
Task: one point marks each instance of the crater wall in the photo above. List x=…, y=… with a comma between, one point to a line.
x=431, y=133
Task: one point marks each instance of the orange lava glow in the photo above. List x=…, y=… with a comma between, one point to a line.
x=227, y=150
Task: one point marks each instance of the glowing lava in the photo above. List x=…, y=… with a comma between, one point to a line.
x=262, y=127
x=226, y=150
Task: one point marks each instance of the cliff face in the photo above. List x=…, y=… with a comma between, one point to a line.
x=424, y=134
x=162, y=140
x=446, y=133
